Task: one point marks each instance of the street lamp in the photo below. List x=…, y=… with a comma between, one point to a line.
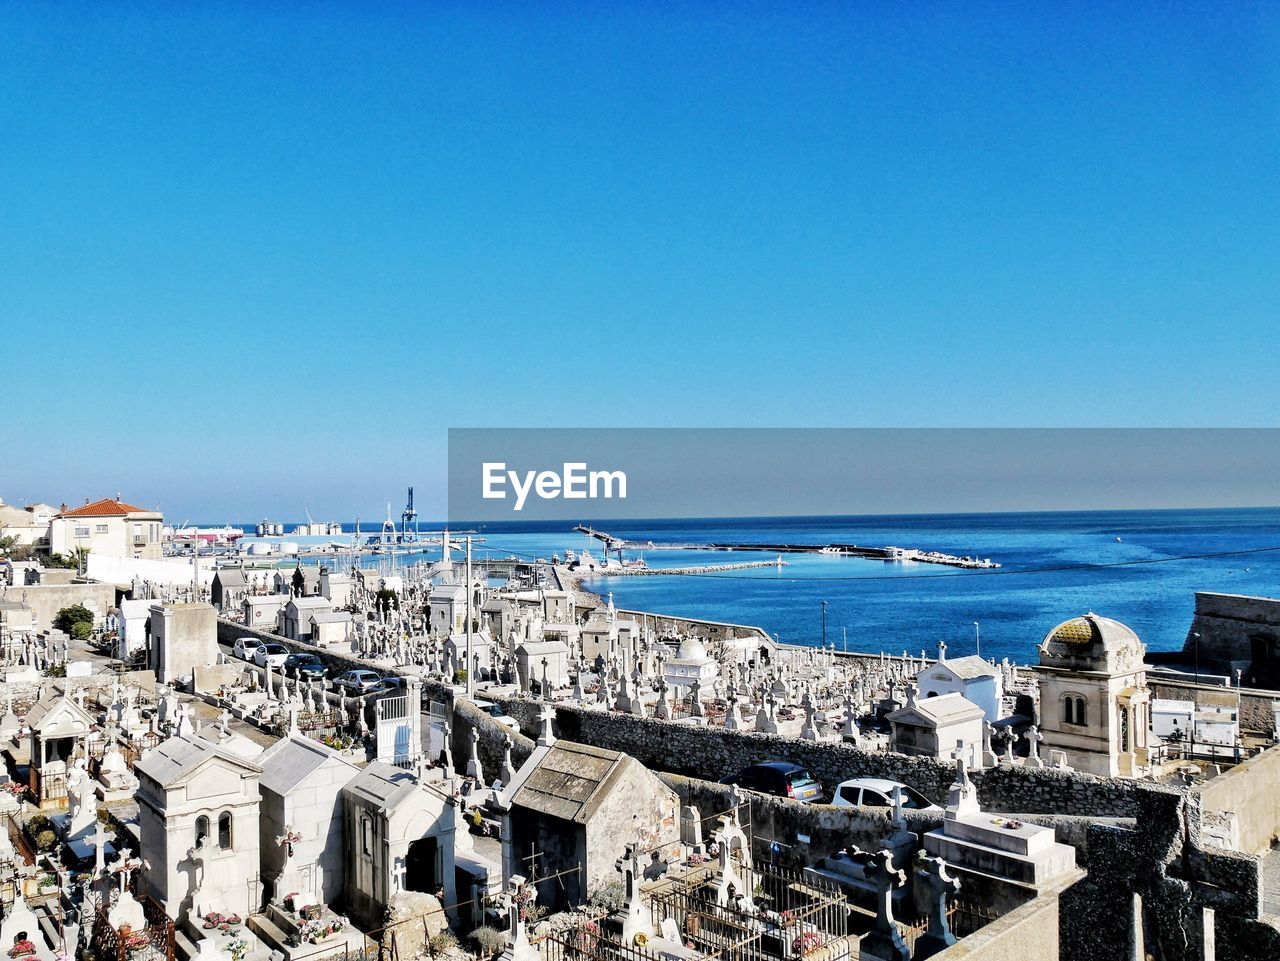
x=977, y=637
x=824, y=624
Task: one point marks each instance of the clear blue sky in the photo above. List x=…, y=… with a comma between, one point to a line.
x=258, y=257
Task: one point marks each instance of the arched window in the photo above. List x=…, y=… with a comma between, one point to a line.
x=1073, y=709
x=224, y=830
x=202, y=829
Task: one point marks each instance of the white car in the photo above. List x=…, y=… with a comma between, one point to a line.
x=499, y=715
x=244, y=647
x=273, y=654
x=879, y=792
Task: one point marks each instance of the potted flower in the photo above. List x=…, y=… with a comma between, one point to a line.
x=48, y=883
x=23, y=949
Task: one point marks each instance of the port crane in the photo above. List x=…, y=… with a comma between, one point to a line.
x=407, y=516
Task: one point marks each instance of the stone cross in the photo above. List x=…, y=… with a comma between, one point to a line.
x=735, y=802
x=547, y=715
x=99, y=844
x=508, y=772
x=629, y=868
x=988, y=756
x=474, y=769
x=1034, y=737
x=885, y=940
x=962, y=775
x=933, y=885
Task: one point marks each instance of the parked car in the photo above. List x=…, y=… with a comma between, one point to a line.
x=273, y=654
x=499, y=715
x=244, y=647
x=306, y=666
x=878, y=792
x=392, y=685
x=779, y=778
x=358, y=681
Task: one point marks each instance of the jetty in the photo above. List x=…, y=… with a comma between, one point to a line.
x=889, y=554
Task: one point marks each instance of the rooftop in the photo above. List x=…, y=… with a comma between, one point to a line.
x=107, y=507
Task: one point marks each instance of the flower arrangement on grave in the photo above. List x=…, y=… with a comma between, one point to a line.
x=640, y=940
x=523, y=898
x=15, y=788
x=697, y=858
x=290, y=900
x=135, y=943
x=585, y=937
x=48, y=880
x=238, y=949
x=316, y=930
x=806, y=942
x=22, y=949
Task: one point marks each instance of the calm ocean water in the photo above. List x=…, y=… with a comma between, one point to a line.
x=895, y=607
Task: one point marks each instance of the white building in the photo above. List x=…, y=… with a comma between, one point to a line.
x=301, y=787
x=400, y=837
x=692, y=662
x=28, y=525
x=108, y=528
x=970, y=676
x=1094, y=702
x=934, y=727
x=198, y=823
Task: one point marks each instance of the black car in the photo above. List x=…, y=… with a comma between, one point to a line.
x=779, y=778
x=304, y=666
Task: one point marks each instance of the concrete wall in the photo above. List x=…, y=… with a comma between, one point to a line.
x=1027, y=932
x=45, y=600
x=1245, y=801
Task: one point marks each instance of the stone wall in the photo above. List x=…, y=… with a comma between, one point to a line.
x=712, y=753
x=1233, y=628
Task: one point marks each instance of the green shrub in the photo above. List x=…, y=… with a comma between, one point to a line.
x=46, y=841
x=68, y=617
x=38, y=823
x=81, y=630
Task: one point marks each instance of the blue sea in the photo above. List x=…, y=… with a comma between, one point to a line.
x=1140, y=567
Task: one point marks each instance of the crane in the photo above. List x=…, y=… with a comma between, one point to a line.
x=406, y=516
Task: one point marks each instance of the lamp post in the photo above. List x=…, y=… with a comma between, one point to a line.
x=977, y=637
x=824, y=624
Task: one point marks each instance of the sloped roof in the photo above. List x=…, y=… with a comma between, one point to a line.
x=386, y=786
x=331, y=617
x=943, y=709
x=967, y=668
x=177, y=757
x=289, y=762
x=107, y=507
x=55, y=705
x=231, y=577
x=571, y=781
